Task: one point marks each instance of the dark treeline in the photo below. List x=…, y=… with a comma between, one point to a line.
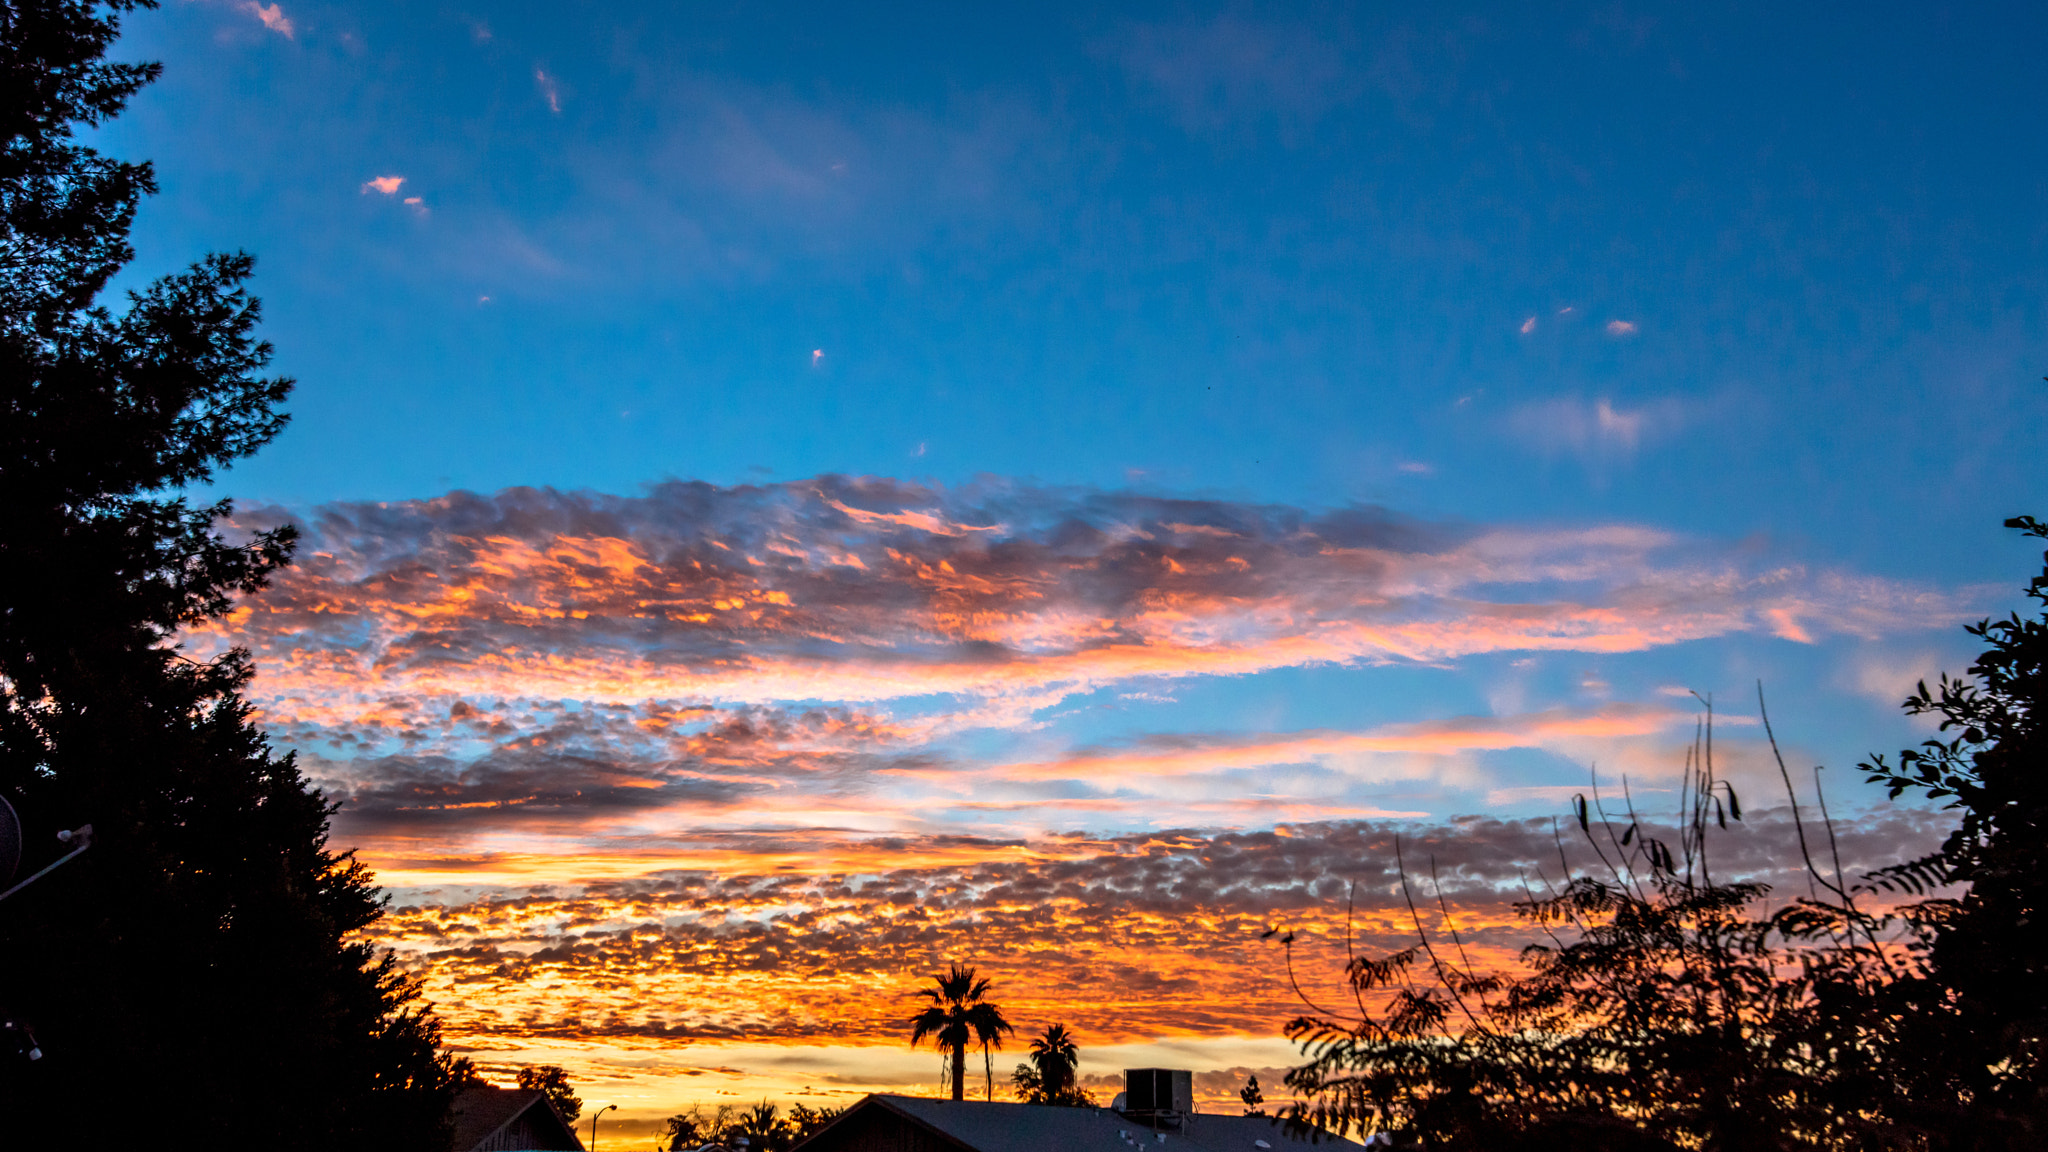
x=1661, y=1007
x=195, y=979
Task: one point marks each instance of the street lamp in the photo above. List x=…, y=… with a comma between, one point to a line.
x=593, y=1124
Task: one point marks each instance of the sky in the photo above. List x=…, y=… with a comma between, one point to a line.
x=796, y=495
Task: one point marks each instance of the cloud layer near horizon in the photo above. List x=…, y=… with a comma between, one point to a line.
x=738, y=765
x=1125, y=938
x=552, y=681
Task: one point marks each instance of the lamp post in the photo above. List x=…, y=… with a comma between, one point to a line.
x=593, y=1124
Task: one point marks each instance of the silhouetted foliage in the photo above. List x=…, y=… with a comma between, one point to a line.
x=1667, y=1009
x=1982, y=1008
x=205, y=953
x=805, y=1121
x=956, y=1016
x=1662, y=1009
x=1048, y=1075
x=1254, y=1098
x=552, y=1081
x=698, y=1125
x=764, y=1125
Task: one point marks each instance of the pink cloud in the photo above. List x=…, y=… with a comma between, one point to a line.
x=1620, y=328
x=385, y=184
x=272, y=16
x=549, y=90
x=1181, y=755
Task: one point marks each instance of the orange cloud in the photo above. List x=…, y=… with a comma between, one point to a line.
x=869, y=591
x=758, y=971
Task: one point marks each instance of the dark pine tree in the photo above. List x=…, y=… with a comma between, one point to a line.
x=197, y=978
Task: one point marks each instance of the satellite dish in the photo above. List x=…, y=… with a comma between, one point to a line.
x=10, y=841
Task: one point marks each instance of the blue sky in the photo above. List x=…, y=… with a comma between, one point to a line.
x=1274, y=254
x=1537, y=362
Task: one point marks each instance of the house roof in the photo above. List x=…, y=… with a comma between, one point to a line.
x=482, y=1111
x=982, y=1126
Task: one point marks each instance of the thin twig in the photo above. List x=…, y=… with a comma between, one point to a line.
x=1798, y=825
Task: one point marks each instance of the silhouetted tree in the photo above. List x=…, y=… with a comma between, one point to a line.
x=765, y=1127
x=206, y=953
x=1667, y=1007
x=462, y=1073
x=1661, y=1010
x=552, y=1081
x=696, y=1126
x=1254, y=1099
x=957, y=1016
x=1049, y=1075
x=805, y=1121
x=1979, y=1013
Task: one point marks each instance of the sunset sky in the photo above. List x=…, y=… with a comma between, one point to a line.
x=796, y=495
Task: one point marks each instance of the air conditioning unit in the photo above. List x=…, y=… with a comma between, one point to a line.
x=1159, y=1091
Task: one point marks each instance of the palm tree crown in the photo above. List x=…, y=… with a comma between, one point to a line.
x=1055, y=1057
x=1050, y=1076
x=958, y=1016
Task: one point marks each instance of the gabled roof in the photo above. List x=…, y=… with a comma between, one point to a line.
x=981, y=1126
x=482, y=1111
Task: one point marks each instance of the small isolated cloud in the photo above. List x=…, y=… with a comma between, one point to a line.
x=416, y=204
x=273, y=17
x=1415, y=468
x=549, y=89
x=817, y=354
x=1598, y=429
x=1528, y=325
x=385, y=184
x=1785, y=625
x=1620, y=328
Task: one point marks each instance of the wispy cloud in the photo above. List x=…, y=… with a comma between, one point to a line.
x=1600, y=429
x=549, y=90
x=388, y=185
x=272, y=16
x=1181, y=754
x=1620, y=328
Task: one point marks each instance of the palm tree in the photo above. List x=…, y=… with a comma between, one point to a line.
x=958, y=1016
x=1055, y=1057
x=1049, y=1078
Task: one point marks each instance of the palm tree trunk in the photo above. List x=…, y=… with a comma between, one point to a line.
x=960, y=1071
